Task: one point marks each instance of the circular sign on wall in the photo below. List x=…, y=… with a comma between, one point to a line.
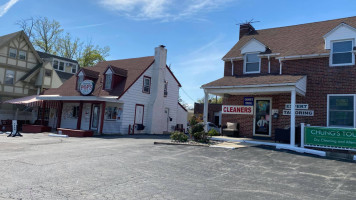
x=86, y=87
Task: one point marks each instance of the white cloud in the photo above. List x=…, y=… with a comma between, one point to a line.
x=6, y=7
x=164, y=10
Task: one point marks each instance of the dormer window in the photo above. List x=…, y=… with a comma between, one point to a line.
x=252, y=63
x=80, y=79
x=342, y=53
x=108, y=80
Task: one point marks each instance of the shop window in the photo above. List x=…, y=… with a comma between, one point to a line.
x=75, y=111
x=108, y=80
x=165, y=88
x=252, y=63
x=341, y=110
x=112, y=113
x=22, y=55
x=9, y=77
x=146, y=84
x=55, y=64
x=46, y=114
x=12, y=53
x=342, y=53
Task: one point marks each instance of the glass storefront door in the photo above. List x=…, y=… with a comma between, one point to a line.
x=262, y=117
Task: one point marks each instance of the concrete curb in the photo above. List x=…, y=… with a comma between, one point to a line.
x=56, y=135
x=184, y=144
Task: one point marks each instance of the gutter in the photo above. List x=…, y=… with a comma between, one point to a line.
x=304, y=56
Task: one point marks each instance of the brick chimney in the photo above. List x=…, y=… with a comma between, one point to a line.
x=246, y=29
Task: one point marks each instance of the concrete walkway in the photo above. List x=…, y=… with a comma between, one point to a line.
x=270, y=143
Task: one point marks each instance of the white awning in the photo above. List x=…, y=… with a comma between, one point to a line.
x=79, y=98
x=23, y=100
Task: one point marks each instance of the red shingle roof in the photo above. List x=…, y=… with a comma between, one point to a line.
x=294, y=40
x=253, y=80
x=135, y=68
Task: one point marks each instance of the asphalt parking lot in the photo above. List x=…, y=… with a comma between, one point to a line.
x=42, y=167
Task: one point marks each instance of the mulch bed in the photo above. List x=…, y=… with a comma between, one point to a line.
x=190, y=143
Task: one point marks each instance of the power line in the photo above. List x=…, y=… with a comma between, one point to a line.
x=187, y=94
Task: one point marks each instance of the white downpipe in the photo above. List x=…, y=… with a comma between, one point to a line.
x=280, y=66
x=232, y=67
x=292, y=118
x=302, y=125
x=269, y=64
x=205, y=113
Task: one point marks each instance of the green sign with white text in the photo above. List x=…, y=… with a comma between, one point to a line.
x=331, y=137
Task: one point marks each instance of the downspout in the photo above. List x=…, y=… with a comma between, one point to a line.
x=280, y=65
x=269, y=64
x=232, y=67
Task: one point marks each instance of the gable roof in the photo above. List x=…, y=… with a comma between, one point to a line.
x=48, y=55
x=5, y=39
x=135, y=68
x=303, y=39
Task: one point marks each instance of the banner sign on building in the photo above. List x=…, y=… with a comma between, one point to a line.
x=298, y=106
x=248, y=101
x=330, y=137
x=244, y=110
x=309, y=113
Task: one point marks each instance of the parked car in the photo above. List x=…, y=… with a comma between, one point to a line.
x=211, y=126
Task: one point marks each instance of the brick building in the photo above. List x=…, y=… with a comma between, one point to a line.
x=289, y=75
x=214, y=112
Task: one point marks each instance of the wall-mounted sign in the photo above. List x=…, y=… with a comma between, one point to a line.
x=298, y=106
x=275, y=111
x=248, y=101
x=244, y=110
x=300, y=112
x=330, y=137
x=86, y=87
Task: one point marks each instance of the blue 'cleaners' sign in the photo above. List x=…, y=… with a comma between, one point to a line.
x=248, y=101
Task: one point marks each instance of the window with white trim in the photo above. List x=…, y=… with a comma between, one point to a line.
x=342, y=53
x=341, y=110
x=146, y=85
x=12, y=53
x=55, y=64
x=80, y=80
x=108, y=80
x=22, y=55
x=252, y=63
x=61, y=66
x=9, y=77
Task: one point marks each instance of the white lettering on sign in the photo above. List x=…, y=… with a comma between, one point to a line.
x=298, y=106
x=300, y=112
x=243, y=110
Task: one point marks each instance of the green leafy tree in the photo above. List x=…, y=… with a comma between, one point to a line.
x=92, y=54
x=69, y=47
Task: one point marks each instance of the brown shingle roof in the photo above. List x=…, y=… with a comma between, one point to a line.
x=294, y=40
x=253, y=80
x=135, y=68
x=119, y=71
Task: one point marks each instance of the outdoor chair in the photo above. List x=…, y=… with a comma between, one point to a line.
x=231, y=129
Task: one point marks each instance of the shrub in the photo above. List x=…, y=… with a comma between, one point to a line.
x=179, y=136
x=196, y=128
x=213, y=132
x=201, y=137
x=193, y=121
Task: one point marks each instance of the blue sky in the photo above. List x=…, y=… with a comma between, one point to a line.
x=197, y=33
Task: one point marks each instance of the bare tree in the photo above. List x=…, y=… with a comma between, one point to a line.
x=27, y=26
